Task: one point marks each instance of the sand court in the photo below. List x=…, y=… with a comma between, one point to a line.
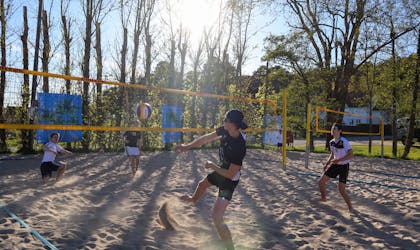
x=98, y=205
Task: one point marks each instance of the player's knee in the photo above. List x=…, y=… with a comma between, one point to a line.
x=342, y=189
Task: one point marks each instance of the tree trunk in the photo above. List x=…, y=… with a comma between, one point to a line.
x=34, y=103
x=225, y=57
x=182, y=48
x=394, y=96
x=148, y=44
x=416, y=86
x=123, y=91
x=136, y=39
x=67, y=43
x=171, y=78
x=3, y=21
x=148, y=14
x=86, y=70
x=99, y=66
x=45, y=51
x=25, y=88
x=196, y=64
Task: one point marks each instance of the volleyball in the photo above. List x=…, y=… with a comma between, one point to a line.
x=144, y=111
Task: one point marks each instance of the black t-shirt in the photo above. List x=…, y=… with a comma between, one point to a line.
x=232, y=150
x=131, y=138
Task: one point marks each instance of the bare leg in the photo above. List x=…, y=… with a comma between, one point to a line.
x=137, y=162
x=133, y=165
x=45, y=179
x=221, y=227
x=60, y=172
x=199, y=191
x=342, y=189
x=322, y=183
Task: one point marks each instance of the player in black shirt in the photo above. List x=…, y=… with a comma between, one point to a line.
x=132, y=149
x=226, y=174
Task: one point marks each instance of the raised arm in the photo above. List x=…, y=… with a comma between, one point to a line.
x=65, y=151
x=197, y=142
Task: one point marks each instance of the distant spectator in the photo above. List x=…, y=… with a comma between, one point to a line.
x=279, y=140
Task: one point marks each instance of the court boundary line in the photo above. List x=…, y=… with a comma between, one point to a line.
x=31, y=230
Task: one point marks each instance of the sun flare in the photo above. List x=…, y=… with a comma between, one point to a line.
x=197, y=15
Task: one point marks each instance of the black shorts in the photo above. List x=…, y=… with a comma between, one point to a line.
x=47, y=168
x=279, y=144
x=225, y=185
x=341, y=170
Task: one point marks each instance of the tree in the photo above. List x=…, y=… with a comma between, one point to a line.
x=148, y=37
x=124, y=17
x=243, y=12
x=333, y=26
x=45, y=50
x=25, y=86
x=138, y=27
x=292, y=53
x=369, y=39
x=4, y=11
x=196, y=62
x=415, y=88
x=394, y=93
x=34, y=103
x=67, y=38
x=99, y=118
x=183, y=43
x=88, y=11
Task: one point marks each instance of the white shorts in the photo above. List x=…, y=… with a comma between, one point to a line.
x=132, y=151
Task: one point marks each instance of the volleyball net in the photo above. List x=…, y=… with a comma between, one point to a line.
x=354, y=125
x=77, y=106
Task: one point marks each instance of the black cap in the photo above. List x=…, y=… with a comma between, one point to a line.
x=237, y=117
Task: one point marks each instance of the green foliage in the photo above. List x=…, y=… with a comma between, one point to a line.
x=383, y=75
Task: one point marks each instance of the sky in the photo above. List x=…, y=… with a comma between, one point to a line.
x=193, y=15
x=199, y=15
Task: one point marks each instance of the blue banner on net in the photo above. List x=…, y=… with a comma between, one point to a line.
x=272, y=137
x=171, y=118
x=59, y=109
